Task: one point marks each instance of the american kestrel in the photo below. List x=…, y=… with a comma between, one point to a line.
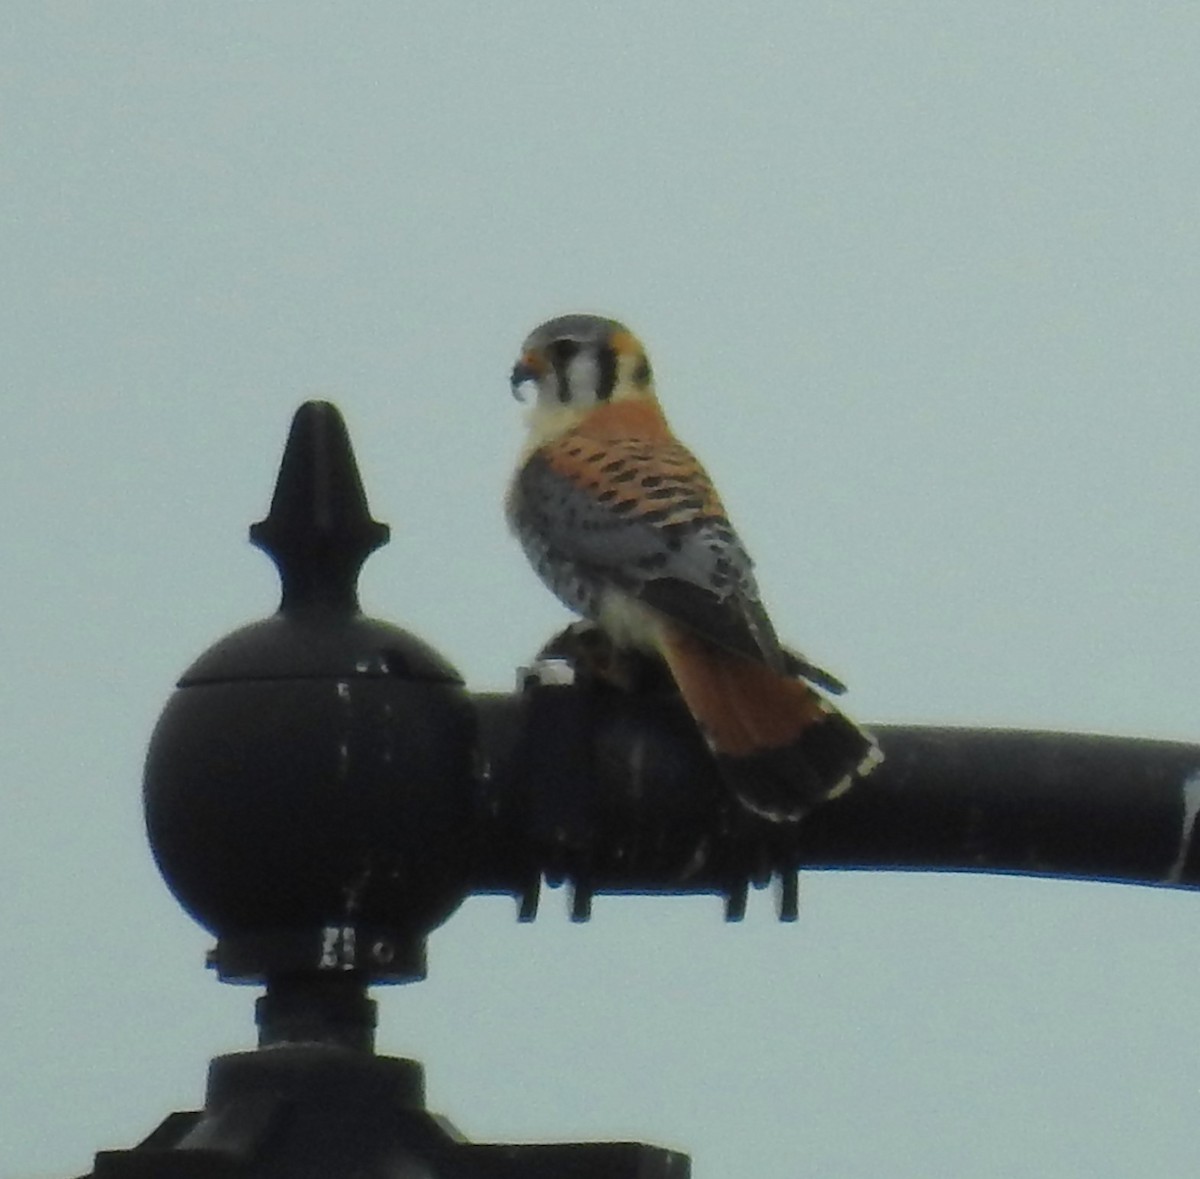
x=622, y=522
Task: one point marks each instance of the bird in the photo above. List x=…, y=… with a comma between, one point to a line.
x=624, y=525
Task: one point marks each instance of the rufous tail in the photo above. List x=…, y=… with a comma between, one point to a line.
x=781, y=746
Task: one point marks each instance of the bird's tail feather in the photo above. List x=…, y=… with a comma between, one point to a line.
x=781, y=746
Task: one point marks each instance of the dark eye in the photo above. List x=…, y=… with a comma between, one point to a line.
x=562, y=351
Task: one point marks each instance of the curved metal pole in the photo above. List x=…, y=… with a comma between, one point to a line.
x=616, y=795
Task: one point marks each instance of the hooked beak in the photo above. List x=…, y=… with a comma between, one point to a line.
x=523, y=372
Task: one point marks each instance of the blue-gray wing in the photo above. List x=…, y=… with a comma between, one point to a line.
x=647, y=521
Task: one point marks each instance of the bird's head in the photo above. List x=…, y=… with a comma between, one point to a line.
x=574, y=363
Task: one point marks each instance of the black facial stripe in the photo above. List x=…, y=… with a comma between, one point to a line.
x=562, y=380
x=561, y=353
x=606, y=372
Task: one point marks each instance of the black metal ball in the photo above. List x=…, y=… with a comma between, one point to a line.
x=322, y=812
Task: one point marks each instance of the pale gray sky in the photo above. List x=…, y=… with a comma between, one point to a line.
x=920, y=281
